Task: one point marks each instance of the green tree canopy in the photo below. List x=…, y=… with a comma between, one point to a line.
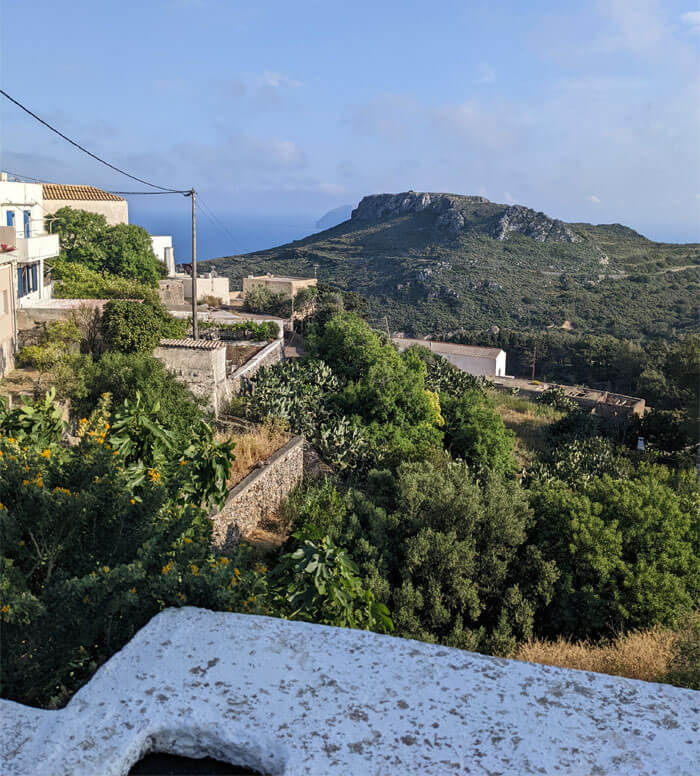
x=124, y=250
x=627, y=550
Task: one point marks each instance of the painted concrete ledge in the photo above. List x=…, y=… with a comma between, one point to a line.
x=293, y=698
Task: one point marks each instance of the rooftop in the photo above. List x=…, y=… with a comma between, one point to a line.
x=63, y=191
x=195, y=344
x=296, y=698
x=474, y=351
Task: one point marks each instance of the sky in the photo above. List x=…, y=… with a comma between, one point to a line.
x=279, y=111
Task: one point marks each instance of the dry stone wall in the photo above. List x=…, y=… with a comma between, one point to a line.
x=259, y=495
x=269, y=355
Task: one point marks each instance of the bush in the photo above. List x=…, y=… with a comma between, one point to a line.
x=137, y=327
x=627, y=551
x=75, y=281
x=261, y=300
x=123, y=375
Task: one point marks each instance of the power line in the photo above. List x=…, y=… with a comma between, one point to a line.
x=208, y=211
x=89, y=153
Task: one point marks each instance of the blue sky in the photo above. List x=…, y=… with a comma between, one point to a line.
x=588, y=111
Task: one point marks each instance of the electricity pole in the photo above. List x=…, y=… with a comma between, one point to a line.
x=195, y=326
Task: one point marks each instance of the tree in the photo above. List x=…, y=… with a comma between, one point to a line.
x=627, y=551
x=475, y=432
x=129, y=253
x=80, y=236
x=137, y=327
x=124, y=250
x=447, y=556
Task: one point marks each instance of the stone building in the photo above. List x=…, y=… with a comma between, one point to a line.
x=278, y=284
x=57, y=195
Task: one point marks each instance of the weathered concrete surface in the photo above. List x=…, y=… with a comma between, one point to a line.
x=294, y=698
x=259, y=495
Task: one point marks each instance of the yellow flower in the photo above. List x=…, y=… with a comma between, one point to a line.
x=21, y=543
x=187, y=540
x=11, y=440
x=183, y=462
x=82, y=421
x=25, y=482
x=5, y=609
x=85, y=600
x=105, y=569
x=153, y=475
x=237, y=572
x=58, y=489
x=252, y=599
x=133, y=500
x=167, y=568
x=1, y=453
x=194, y=569
x=133, y=590
x=2, y=506
x=116, y=452
x=46, y=453
x=224, y=561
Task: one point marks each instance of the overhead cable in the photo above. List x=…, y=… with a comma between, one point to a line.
x=89, y=153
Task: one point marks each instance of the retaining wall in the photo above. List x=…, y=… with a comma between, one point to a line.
x=259, y=495
x=269, y=355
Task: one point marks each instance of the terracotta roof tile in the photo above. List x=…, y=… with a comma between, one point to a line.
x=70, y=191
x=188, y=342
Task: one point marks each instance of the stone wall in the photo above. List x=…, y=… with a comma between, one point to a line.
x=260, y=494
x=171, y=291
x=199, y=364
x=269, y=355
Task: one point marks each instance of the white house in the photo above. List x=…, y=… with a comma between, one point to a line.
x=486, y=362
x=22, y=216
x=163, y=249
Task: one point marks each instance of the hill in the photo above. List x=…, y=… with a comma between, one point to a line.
x=434, y=263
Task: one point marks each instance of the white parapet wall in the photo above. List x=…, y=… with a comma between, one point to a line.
x=295, y=698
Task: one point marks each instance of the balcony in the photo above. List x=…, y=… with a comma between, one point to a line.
x=43, y=246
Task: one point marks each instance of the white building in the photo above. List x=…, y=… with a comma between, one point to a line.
x=163, y=249
x=22, y=218
x=58, y=195
x=486, y=362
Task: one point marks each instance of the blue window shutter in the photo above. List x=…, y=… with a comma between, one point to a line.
x=35, y=283
x=20, y=285
x=10, y=217
x=27, y=226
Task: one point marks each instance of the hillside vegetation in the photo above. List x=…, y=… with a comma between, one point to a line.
x=433, y=263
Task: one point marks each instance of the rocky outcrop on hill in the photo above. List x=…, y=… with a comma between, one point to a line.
x=453, y=213
x=448, y=207
x=522, y=220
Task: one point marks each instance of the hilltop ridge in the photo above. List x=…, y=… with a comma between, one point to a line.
x=435, y=262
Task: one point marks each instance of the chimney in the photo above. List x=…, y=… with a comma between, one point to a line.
x=169, y=259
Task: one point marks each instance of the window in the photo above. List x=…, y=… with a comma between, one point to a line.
x=27, y=279
x=10, y=216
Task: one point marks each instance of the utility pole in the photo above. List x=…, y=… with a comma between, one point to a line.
x=195, y=325
x=534, y=359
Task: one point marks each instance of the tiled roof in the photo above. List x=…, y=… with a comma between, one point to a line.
x=188, y=342
x=70, y=191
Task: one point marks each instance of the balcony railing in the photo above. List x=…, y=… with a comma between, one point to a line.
x=44, y=246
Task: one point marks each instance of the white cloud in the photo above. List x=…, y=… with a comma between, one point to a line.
x=485, y=74
x=692, y=20
x=270, y=80
x=592, y=198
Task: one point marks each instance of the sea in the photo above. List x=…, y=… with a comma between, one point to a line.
x=225, y=234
